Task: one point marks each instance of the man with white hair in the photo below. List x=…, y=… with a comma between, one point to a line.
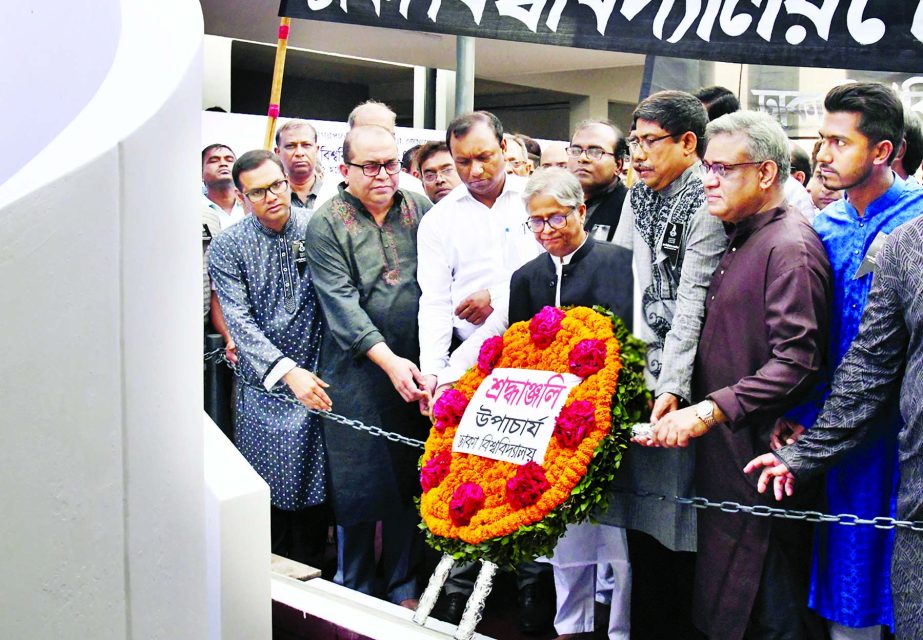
x=762, y=349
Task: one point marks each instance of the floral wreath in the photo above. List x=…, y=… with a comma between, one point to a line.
x=476, y=508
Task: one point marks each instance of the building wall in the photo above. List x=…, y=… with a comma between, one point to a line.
x=103, y=487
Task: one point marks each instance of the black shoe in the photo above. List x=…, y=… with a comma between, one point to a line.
x=451, y=607
x=536, y=610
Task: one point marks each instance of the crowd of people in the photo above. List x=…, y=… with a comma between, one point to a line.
x=776, y=292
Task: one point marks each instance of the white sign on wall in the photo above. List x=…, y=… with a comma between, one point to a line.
x=511, y=416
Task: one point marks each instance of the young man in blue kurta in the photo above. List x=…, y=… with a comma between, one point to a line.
x=862, y=129
x=272, y=313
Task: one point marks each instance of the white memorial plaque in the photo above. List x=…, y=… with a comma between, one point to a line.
x=511, y=416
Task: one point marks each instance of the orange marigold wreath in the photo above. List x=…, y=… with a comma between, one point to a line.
x=479, y=508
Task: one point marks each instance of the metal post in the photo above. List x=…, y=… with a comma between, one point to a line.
x=464, y=74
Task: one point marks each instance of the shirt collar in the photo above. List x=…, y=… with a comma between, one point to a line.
x=358, y=206
x=605, y=192
x=513, y=184
x=211, y=204
x=751, y=224
x=691, y=173
x=315, y=189
x=573, y=255
x=253, y=220
x=890, y=197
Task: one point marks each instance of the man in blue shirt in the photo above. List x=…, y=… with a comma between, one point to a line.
x=861, y=133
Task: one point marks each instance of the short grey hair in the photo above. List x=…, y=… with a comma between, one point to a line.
x=556, y=182
x=765, y=138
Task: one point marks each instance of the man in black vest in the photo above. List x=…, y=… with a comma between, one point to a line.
x=596, y=154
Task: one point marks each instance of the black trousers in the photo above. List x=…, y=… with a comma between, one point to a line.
x=301, y=535
x=661, y=581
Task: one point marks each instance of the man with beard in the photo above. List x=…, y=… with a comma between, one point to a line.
x=861, y=132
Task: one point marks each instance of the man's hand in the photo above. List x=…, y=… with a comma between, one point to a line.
x=404, y=375
x=475, y=308
x=230, y=351
x=665, y=403
x=428, y=386
x=675, y=429
x=308, y=388
x=406, y=378
x=783, y=480
x=784, y=432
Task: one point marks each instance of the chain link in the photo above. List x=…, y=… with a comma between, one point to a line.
x=727, y=506
x=764, y=511
x=358, y=425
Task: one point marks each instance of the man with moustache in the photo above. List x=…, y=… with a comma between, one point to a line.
x=269, y=302
x=362, y=249
x=862, y=130
x=676, y=245
x=437, y=170
x=762, y=349
x=469, y=245
x=296, y=146
x=596, y=154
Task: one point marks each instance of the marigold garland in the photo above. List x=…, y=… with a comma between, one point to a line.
x=478, y=508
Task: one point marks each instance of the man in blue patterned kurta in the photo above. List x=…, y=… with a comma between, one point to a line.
x=271, y=310
x=862, y=128
x=884, y=363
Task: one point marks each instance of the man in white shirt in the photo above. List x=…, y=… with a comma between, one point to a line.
x=468, y=246
x=220, y=194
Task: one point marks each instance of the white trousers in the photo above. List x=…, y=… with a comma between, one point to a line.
x=576, y=599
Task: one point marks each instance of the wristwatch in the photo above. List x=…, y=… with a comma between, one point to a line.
x=705, y=411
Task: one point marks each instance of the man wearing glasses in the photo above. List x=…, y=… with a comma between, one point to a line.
x=764, y=345
x=272, y=313
x=596, y=154
x=517, y=157
x=362, y=249
x=676, y=245
x=437, y=170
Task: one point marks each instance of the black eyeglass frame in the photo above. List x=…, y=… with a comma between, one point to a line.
x=369, y=172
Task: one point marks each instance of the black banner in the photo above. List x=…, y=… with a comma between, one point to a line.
x=855, y=34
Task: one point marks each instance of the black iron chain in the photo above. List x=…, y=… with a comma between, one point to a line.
x=727, y=506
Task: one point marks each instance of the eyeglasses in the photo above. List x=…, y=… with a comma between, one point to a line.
x=720, y=169
x=372, y=169
x=555, y=221
x=431, y=176
x=593, y=153
x=645, y=143
x=259, y=194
